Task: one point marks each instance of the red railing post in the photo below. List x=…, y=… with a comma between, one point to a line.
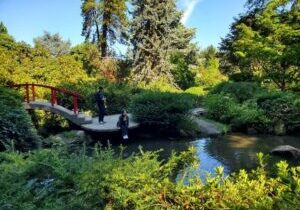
x=30, y=94
x=75, y=103
x=53, y=97
x=33, y=92
x=27, y=93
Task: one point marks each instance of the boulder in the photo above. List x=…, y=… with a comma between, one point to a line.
x=286, y=151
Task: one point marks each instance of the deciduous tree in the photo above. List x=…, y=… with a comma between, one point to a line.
x=273, y=47
x=54, y=43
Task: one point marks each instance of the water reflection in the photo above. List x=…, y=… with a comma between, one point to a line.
x=233, y=152
x=238, y=151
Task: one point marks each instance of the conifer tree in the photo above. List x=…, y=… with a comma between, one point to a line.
x=3, y=29
x=104, y=23
x=156, y=31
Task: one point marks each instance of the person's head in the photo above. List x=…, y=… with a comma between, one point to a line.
x=100, y=89
x=124, y=112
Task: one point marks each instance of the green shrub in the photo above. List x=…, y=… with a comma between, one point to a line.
x=196, y=91
x=281, y=107
x=242, y=91
x=165, y=110
x=47, y=123
x=118, y=95
x=221, y=107
x=48, y=179
x=161, y=85
x=16, y=129
x=249, y=114
x=255, y=107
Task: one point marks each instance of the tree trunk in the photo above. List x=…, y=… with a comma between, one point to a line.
x=104, y=31
x=103, y=42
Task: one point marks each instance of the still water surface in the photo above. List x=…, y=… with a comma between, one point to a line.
x=233, y=152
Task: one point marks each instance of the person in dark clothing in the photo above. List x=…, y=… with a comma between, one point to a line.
x=100, y=99
x=123, y=124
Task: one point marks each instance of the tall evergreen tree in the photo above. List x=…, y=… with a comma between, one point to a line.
x=256, y=4
x=104, y=23
x=156, y=31
x=3, y=29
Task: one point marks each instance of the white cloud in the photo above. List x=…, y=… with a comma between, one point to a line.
x=189, y=6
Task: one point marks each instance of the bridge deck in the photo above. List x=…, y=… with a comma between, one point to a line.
x=85, y=122
x=109, y=126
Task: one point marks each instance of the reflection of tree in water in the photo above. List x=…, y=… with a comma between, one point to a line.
x=238, y=151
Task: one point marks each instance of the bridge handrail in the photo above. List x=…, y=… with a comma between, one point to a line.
x=54, y=91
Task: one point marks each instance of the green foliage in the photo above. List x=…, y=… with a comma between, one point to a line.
x=208, y=72
x=3, y=29
x=47, y=123
x=264, y=43
x=104, y=23
x=196, y=91
x=48, y=179
x=160, y=85
x=17, y=131
x=249, y=114
x=53, y=43
x=182, y=70
x=242, y=91
x=21, y=63
x=221, y=107
x=118, y=95
x=164, y=110
x=156, y=32
x=281, y=108
x=247, y=105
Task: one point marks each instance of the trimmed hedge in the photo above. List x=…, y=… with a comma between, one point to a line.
x=162, y=109
x=242, y=91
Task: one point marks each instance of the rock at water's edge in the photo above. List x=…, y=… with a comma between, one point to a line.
x=286, y=150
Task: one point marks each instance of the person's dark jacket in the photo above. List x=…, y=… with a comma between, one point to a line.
x=100, y=101
x=123, y=122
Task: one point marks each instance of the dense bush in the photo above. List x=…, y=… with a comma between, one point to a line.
x=118, y=95
x=242, y=91
x=282, y=109
x=220, y=107
x=47, y=123
x=16, y=129
x=161, y=85
x=165, y=110
x=246, y=105
x=250, y=115
x=50, y=180
x=196, y=91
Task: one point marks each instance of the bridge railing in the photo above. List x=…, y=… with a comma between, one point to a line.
x=30, y=94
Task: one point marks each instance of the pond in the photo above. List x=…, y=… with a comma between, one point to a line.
x=233, y=152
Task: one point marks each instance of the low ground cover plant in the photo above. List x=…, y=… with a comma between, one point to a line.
x=53, y=179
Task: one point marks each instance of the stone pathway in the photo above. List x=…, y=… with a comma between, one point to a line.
x=207, y=128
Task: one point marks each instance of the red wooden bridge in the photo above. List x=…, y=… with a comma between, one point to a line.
x=30, y=94
x=31, y=101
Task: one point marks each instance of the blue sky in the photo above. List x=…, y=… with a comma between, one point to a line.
x=27, y=19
